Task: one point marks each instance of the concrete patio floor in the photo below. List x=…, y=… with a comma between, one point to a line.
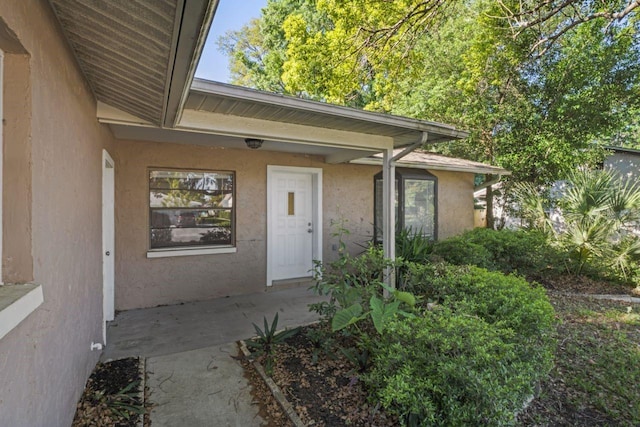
x=191, y=375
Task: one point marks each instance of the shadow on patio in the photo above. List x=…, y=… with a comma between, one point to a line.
x=177, y=328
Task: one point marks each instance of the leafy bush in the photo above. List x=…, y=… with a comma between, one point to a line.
x=473, y=358
x=355, y=286
x=526, y=252
x=458, y=250
x=349, y=280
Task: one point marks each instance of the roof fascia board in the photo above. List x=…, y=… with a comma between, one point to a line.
x=193, y=22
x=623, y=150
x=243, y=127
x=417, y=165
x=206, y=87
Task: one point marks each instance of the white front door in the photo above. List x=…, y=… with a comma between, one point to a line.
x=108, y=241
x=292, y=220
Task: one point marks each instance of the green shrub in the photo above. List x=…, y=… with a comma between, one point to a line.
x=526, y=252
x=459, y=251
x=505, y=300
x=473, y=358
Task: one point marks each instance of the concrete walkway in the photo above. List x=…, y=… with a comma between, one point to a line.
x=193, y=379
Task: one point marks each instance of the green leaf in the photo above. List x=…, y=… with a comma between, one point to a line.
x=346, y=317
x=405, y=297
x=382, y=312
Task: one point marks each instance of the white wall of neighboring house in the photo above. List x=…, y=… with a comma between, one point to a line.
x=625, y=163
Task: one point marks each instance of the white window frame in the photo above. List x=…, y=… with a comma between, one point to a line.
x=194, y=250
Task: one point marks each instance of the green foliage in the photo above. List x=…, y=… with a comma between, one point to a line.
x=125, y=403
x=473, y=358
x=349, y=280
x=597, y=208
x=360, y=357
x=458, y=250
x=321, y=341
x=460, y=63
x=413, y=246
x=267, y=339
x=525, y=252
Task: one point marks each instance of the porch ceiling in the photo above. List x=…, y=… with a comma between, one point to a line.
x=137, y=55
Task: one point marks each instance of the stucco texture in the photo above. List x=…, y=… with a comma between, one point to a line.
x=56, y=145
x=347, y=198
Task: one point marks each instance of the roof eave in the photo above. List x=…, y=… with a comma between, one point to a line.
x=443, y=132
x=192, y=28
x=419, y=165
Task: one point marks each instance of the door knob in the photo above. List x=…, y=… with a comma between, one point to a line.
x=310, y=230
x=107, y=253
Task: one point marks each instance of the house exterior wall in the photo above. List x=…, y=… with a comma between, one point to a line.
x=52, y=219
x=626, y=164
x=455, y=203
x=347, y=196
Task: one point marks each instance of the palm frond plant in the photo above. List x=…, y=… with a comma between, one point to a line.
x=533, y=207
x=598, y=208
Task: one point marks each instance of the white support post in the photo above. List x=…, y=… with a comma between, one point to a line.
x=389, y=213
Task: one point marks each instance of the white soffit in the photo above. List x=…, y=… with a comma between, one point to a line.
x=137, y=55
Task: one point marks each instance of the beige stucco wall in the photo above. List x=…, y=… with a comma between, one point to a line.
x=56, y=145
x=142, y=282
x=347, y=196
x=455, y=203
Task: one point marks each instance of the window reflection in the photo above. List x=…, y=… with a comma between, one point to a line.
x=190, y=208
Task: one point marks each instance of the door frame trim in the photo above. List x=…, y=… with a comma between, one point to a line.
x=108, y=214
x=316, y=208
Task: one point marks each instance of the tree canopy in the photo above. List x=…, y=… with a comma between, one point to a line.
x=536, y=83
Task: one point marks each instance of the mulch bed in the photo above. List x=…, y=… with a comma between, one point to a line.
x=323, y=387
x=584, y=285
x=108, y=380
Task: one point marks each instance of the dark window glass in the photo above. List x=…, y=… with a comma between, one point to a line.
x=416, y=202
x=190, y=208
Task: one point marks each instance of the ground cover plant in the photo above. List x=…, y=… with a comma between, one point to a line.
x=111, y=396
x=596, y=378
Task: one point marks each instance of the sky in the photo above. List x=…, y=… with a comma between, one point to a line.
x=230, y=15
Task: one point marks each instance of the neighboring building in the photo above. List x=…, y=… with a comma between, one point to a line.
x=625, y=161
x=125, y=183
